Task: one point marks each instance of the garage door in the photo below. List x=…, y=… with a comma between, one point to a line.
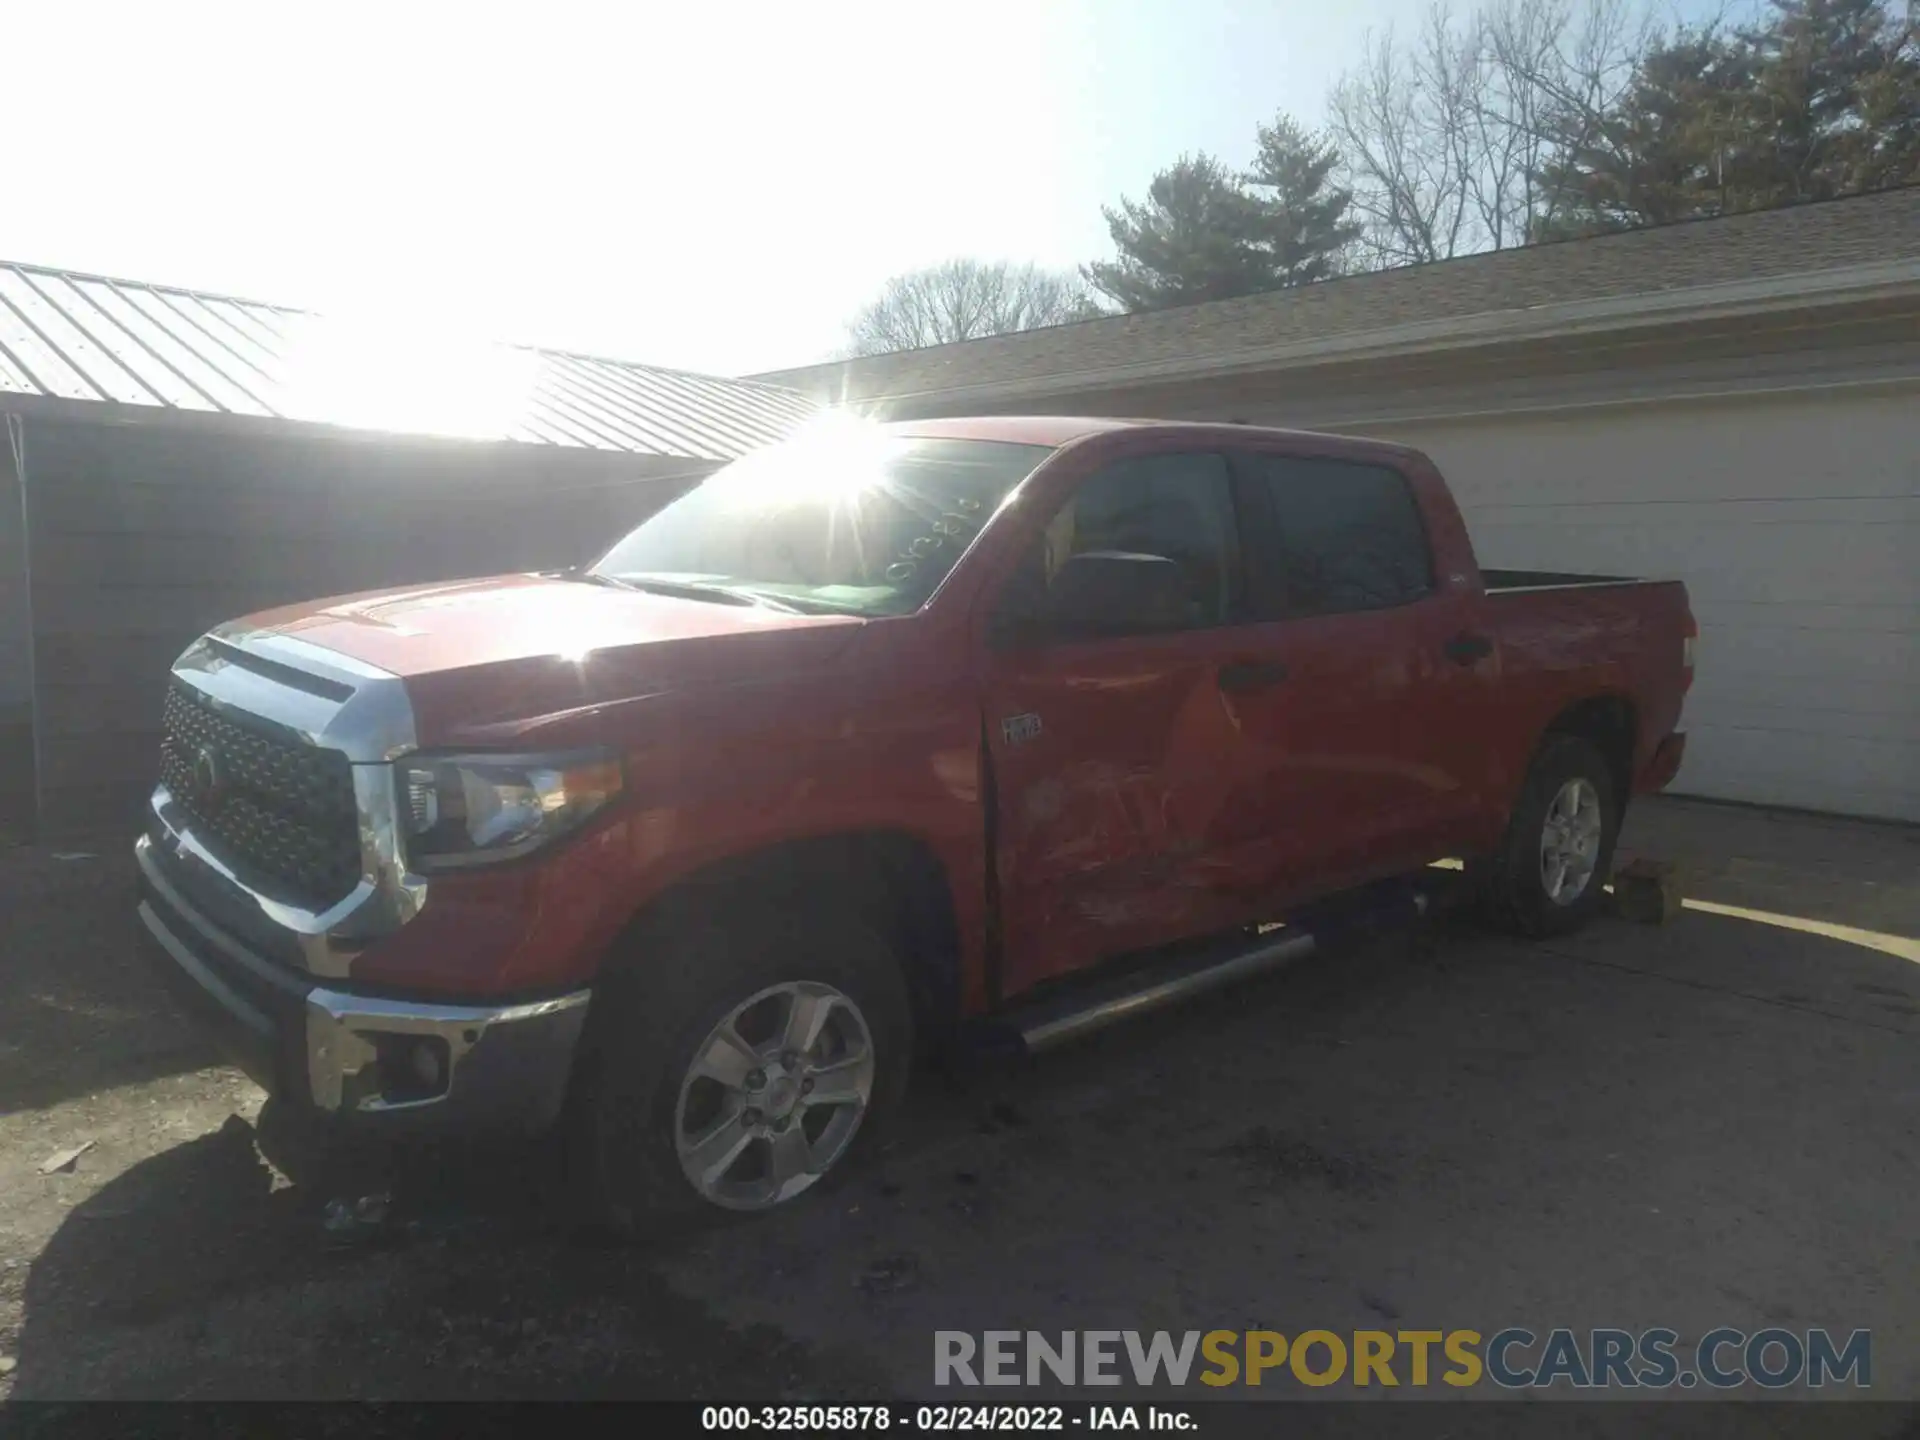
x=1795, y=523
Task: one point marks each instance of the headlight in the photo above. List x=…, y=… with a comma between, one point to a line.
x=473, y=809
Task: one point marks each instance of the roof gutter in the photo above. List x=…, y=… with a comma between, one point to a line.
x=1776, y=295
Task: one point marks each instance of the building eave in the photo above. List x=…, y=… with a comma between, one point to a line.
x=1885, y=281
x=165, y=418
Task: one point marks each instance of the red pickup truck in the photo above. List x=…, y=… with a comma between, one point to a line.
x=873, y=733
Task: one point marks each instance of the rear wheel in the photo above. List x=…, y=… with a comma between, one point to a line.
x=733, y=1062
x=1549, y=875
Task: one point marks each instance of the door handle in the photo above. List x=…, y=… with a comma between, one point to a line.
x=1466, y=649
x=1242, y=675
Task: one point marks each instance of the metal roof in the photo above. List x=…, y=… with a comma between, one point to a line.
x=66, y=336
x=1796, y=241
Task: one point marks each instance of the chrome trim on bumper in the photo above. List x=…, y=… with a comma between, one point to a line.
x=507, y=1066
x=354, y=708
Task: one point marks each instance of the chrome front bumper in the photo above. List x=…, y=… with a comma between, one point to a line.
x=356, y=1056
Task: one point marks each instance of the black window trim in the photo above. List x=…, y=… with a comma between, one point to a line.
x=1252, y=496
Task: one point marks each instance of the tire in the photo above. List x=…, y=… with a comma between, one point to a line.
x=638, y=1095
x=1516, y=883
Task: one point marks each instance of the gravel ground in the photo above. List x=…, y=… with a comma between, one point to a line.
x=1710, y=1122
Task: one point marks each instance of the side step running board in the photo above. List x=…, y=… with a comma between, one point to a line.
x=1048, y=1026
x=1069, y=1015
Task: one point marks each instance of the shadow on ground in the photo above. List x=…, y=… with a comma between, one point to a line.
x=1706, y=1123
x=202, y=1273
x=79, y=1012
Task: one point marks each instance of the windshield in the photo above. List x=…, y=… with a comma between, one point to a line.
x=864, y=523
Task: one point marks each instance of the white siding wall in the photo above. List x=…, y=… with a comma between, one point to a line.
x=1795, y=522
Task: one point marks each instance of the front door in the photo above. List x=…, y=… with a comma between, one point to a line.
x=1122, y=771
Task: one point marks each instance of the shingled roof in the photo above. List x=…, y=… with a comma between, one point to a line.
x=1775, y=244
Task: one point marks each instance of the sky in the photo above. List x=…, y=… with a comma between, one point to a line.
x=715, y=185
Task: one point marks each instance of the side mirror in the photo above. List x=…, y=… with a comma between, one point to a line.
x=1104, y=593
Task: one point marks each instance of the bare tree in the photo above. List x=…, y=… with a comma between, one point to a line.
x=1399, y=120
x=1516, y=41
x=1447, y=136
x=965, y=300
x=1563, y=69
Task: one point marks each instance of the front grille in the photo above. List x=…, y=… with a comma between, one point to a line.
x=279, y=812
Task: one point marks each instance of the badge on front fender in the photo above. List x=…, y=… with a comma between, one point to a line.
x=1019, y=729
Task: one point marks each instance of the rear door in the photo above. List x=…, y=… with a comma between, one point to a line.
x=1355, y=749
x=1122, y=772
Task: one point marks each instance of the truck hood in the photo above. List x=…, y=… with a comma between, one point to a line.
x=491, y=661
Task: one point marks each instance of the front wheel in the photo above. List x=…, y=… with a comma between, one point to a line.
x=734, y=1061
x=1549, y=875
x=774, y=1095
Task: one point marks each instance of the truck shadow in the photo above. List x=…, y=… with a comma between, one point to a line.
x=1116, y=1165
x=208, y=1271
x=79, y=1011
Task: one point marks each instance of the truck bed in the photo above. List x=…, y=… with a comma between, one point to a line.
x=1506, y=580
x=1561, y=634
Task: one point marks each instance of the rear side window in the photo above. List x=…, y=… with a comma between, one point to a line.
x=1332, y=536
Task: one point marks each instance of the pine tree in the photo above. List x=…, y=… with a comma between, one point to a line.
x=1835, y=103
x=1197, y=236
x=1206, y=233
x=1820, y=101
x=1672, y=148
x=1303, y=217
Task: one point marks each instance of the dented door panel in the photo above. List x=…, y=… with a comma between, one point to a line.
x=1124, y=782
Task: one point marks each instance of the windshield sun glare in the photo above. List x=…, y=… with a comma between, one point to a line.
x=860, y=521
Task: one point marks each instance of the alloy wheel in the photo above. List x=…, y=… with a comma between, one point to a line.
x=1570, y=841
x=774, y=1095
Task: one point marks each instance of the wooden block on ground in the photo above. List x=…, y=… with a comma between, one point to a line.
x=1648, y=891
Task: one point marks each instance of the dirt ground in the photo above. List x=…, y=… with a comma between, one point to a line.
x=1711, y=1122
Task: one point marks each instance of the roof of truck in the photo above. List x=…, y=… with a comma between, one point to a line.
x=1015, y=429
x=1057, y=430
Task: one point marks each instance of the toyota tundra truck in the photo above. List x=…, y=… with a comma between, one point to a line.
x=874, y=736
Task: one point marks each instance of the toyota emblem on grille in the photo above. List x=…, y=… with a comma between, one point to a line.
x=209, y=775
